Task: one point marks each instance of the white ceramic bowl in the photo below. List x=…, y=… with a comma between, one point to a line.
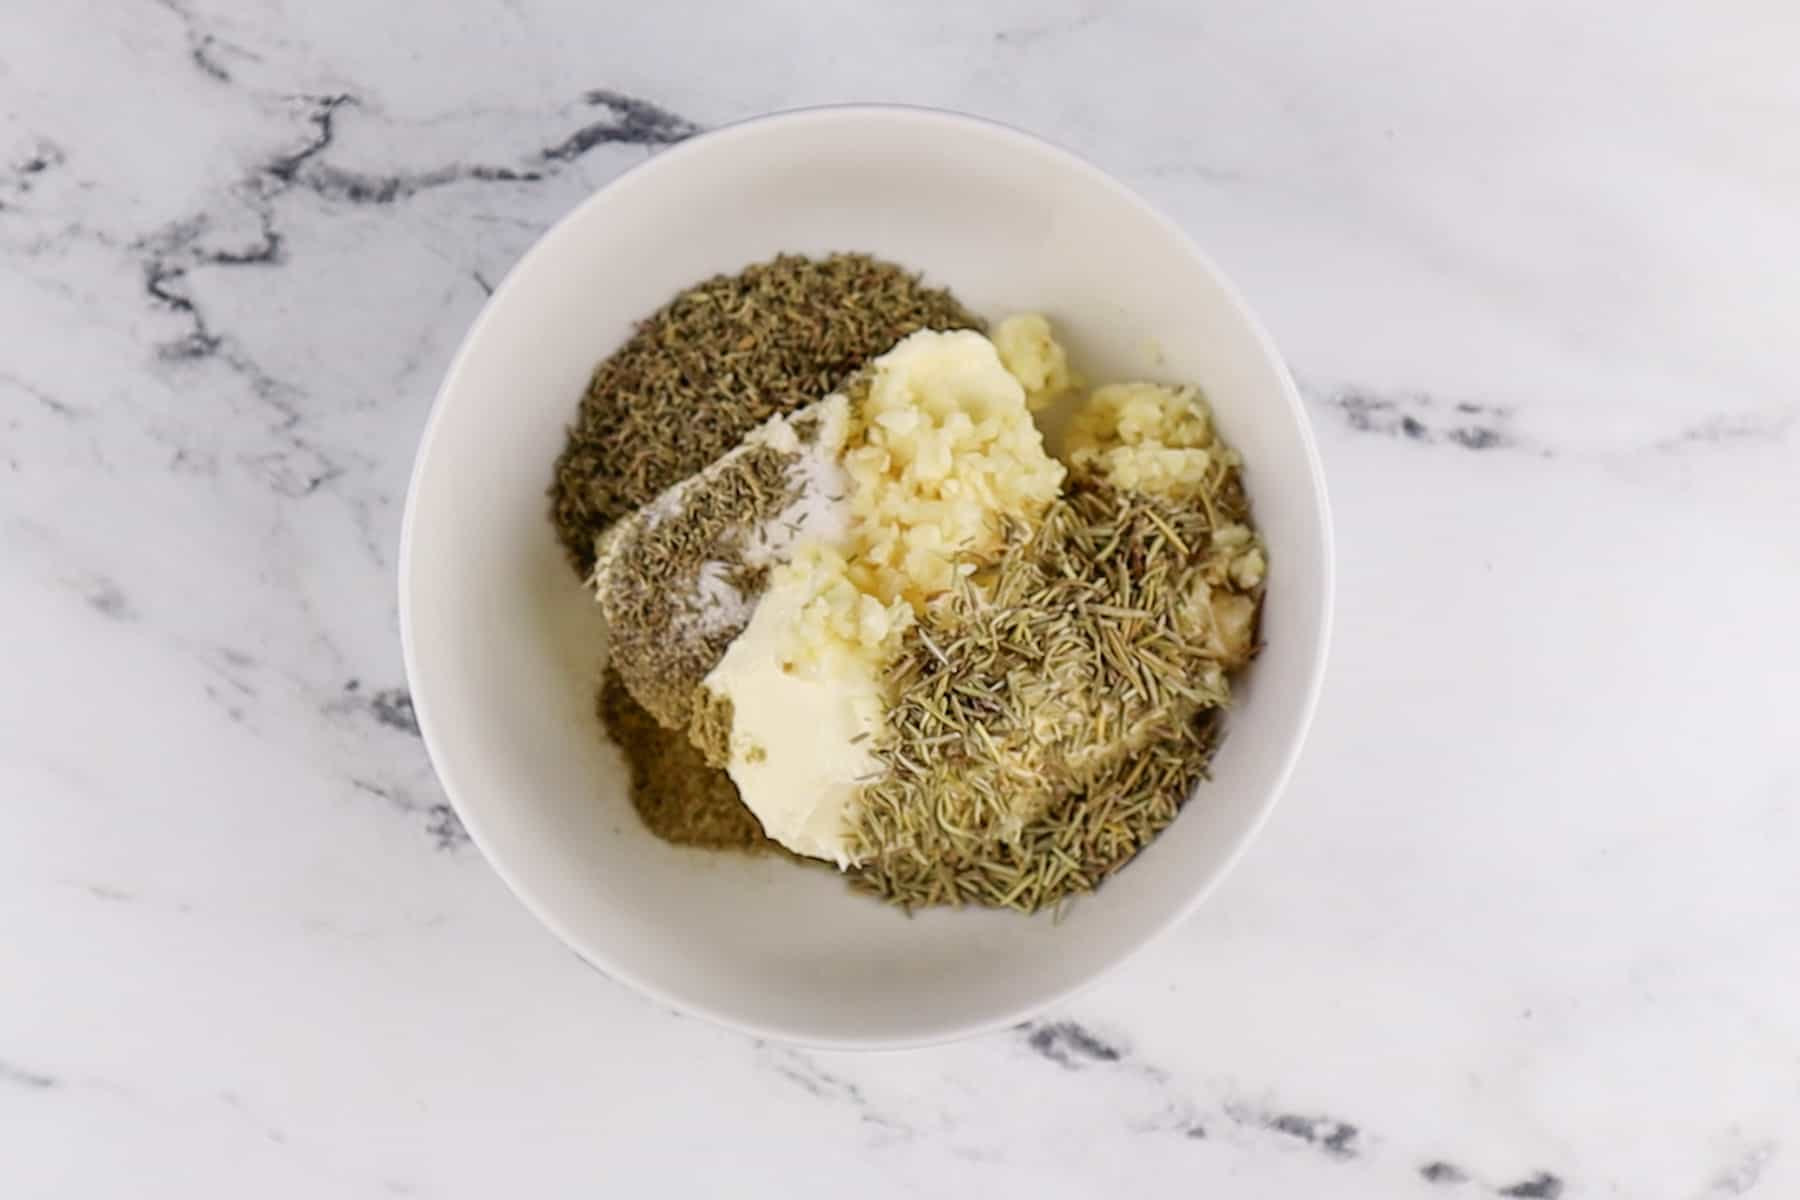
x=503, y=646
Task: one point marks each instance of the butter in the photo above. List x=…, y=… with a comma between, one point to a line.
x=799, y=742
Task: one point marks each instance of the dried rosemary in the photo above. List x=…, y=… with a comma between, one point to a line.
x=716, y=361
x=1049, y=718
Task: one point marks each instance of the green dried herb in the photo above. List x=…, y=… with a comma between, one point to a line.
x=718, y=360
x=679, y=797
x=649, y=590
x=1051, y=715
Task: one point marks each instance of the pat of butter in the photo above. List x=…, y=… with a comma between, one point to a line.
x=800, y=743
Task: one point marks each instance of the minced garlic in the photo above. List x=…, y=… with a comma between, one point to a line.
x=835, y=619
x=1146, y=437
x=943, y=448
x=1035, y=358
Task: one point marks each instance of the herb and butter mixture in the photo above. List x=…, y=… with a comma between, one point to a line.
x=879, y=625
x=940, y=454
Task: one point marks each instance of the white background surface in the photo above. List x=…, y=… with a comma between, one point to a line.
x=1527, y=913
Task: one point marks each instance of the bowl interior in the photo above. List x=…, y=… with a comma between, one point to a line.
x=504, y=648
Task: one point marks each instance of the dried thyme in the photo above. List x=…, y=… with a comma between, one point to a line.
x=718, y=360
x=679, y=797
x=650, y=593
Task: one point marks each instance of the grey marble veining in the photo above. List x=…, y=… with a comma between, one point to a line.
x=1522, y=926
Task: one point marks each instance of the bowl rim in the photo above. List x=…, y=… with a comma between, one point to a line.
x=543, y=247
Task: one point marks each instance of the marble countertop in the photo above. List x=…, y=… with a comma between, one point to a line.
x=1525, y=924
